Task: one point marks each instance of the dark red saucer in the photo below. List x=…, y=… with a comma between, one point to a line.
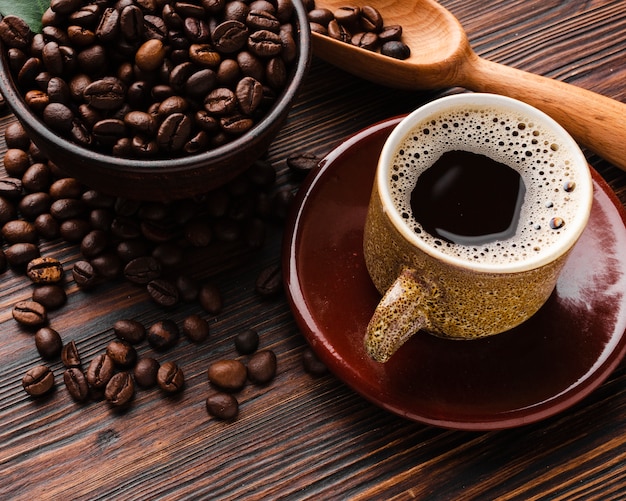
x=534, y=371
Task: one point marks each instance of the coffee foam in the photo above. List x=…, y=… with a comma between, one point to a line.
x=551, y=204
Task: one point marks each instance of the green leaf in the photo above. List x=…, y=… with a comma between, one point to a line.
x=29, y=10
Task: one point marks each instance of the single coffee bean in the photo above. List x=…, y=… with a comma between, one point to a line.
x=10, y=188
x=163, y=292
x=100, y=371
x=67, y=187
x=262, y=367
x=74, y=230
x=145, y=372
x=76, y=384
x=247, y=341
x=210, y=298
x=38, y=381
x=389, y=33
x=58, y=117
x=228, y=374
x=371, y=19
x=270, y=281
x=15, y=32
x=47, y=226
x=16, y=162
x=84, y=274
x=312, y=364
x=8, y=211
x=45, y=270
x=303, y=162
x=120, y=389
x=51, y=296
x=107, y=265
x=30, y=313
x=265, y=43
x=230, y=36
x=142, y=270
x=395, y=49
x=20, y=231
x=195, y=328
x=70, y=356
x=21, y=254
x=163, y=335
x=33, y=205
x=188, y=288
x=170, y=377
x=122, y=353
x=48, y=343
x=128, y=330
x=222, y=406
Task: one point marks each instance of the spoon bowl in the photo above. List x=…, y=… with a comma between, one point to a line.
x=441, y=57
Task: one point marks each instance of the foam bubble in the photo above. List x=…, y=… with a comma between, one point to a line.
x=534, y=151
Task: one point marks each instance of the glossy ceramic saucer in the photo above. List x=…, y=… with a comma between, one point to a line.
x=536, y=370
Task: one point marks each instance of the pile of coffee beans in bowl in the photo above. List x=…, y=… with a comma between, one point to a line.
x=153, y=78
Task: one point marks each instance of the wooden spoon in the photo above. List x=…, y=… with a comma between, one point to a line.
x=441, y=57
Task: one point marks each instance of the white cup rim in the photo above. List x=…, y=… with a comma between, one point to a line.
x=584, y=182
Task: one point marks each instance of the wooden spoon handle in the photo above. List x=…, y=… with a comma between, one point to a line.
x=593, y=120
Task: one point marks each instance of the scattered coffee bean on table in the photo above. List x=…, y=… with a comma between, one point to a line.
x=227, y=374
x=38, y=381
x=262, y=367
x=222, y=405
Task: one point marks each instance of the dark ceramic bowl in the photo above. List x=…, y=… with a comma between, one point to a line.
x=172, y=178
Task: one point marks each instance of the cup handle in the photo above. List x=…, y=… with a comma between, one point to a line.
x=402, y=311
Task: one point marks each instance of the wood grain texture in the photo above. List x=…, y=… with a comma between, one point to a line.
x=302, y=437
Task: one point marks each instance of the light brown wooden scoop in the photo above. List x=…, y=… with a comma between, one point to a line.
x=441, y=57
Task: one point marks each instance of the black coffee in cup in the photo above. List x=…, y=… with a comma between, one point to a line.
x=469, y=199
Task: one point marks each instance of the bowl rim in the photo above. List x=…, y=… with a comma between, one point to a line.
x=159, y=166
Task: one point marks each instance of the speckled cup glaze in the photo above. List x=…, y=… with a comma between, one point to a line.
x=448, y=295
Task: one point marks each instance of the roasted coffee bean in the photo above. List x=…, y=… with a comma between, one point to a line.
x=120, y=389
x=210, y=298
x=16, y=136
x=122, y=353
x=125, y=228
x=16, y=162
x=30, y=313
x=270, y=281
x=365, y=40
x=196, y=328
x=37, y=178
x=145, y=372
x=74, y=230
x=129, y=330
x=395, y=49
x=38, y=381
x=67, y=208
x=67, y=187
x=15, y=32
x=174, y=132
x=247, y=341
x=163, y=292
x=45, y=270
x=8, y=211
x=21, y=254
x=312, y=364
x=20, y=231
x=281, y=203
x=163, y=335
x=51, y=296
x=48, y=343
x=47, y=226
x=222, y=406
x=389, y=33
x=93, y=243
x=338, y=31
x=262, y=367
x=107, y=265
x=76, y=384
x=58, y=117
x=230, y=36
x=10, y=188
x=188, y=289
x=170, y=377
x=84, y=275
x=100, y=371
x=150, y=55
x=142, y=270
x=34, y=204
x=228, y=374
x=264, y=43
x=371, y=19
x=70, y=356
x=303, y=162
x=130, y=250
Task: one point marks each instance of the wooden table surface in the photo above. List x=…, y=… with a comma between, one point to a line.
x=305, y=437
